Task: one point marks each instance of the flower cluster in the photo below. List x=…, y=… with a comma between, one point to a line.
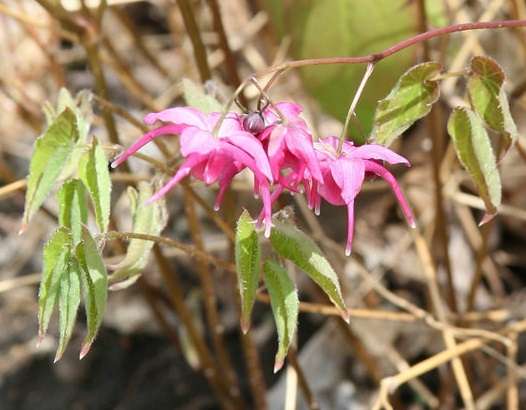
x=277, y=147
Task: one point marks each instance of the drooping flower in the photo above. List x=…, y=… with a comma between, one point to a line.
x=210, y=155
x=289, y=145
x=344, y=173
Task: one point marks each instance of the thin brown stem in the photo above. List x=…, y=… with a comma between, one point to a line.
x=192, y=29
x=208, y=364
x=435, y=127
x=210, y=302
x=419, y=38
x=230, y=60
x=302, y=380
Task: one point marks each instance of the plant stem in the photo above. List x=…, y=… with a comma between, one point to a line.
x=375, y=57
x=356, y=98
x=195, y=37
x=231, y=66
x=435, y=127
x=210, y=302
x=209, y=366
x=302, y=380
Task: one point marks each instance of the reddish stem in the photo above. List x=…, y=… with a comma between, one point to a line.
x=375, y=57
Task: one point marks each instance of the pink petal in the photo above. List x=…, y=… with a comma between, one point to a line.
x=191, y=162
x=215, y=167
x=264, y=192
x=230, y=124
x=224, y=183
x=290, y=111
x=299, y=143
x=378, y=152
x=251, y=145
x=197, y=141
x=185, y=116
x=375, y=168
x=350, y=227
x=275, y=150
x=145, y=139
x=349, y=176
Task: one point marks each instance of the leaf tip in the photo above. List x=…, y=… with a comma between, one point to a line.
x=58, y=356
x=23, y=228
x=278, y=364
x=245, y=325
x=40, y=339
x=487, y=218
x=346, y=316
x=85, y=350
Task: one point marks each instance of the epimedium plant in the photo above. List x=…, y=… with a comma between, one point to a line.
x=216, y=144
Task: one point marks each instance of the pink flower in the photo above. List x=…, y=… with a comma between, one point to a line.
x=208, y=157
x=289, y=144
x=343, y=176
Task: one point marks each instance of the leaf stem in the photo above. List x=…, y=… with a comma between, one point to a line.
x=356, y=98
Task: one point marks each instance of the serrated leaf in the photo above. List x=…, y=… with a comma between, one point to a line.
x=488, y=98
x=56, y=254
x=285, y=307
x=68, y=304
x=294, y=245
x=94, y=279
x=196, y=97
x=73, y=210
x=147, y=219
x=411, y=99
x=94, y=172
x=474, y=150
x=248, y=254
x=50, y=155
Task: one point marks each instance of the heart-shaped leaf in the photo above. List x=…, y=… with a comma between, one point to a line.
x=248, y=255
x=147, y=219
x=94, y=172
x=285, y=307
x=56, y=255
x=296, y=246
x=409, y=100
x=474, y=151
x=73, y=210
x=94, y=281
x=50, y=155
x=488, y=99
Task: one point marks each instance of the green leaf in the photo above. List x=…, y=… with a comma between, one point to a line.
x=295, y=245
x=94, y=281
x=50, y=156
x=488, y=99
x=248, y=254
x=195, y=96
x=73, y=211
x=409, y=100
x=56, y=255
x=68, y=304
x=94, y=172
x=285, y=307
x=474, y=150
x=147, y=219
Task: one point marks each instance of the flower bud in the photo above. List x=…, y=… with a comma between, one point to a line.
x=254, y=123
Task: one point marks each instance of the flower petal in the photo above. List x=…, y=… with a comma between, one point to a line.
x=275, y=150
x=197, y=141
x=378, y=152
x=251, y=145
x=191, y=162
x=377, y=169
x=184, y=116
x=224, y=183
x=145, y=139
x=349, y=176
x=215, y=167
x=350, y=227
x=299, y=143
